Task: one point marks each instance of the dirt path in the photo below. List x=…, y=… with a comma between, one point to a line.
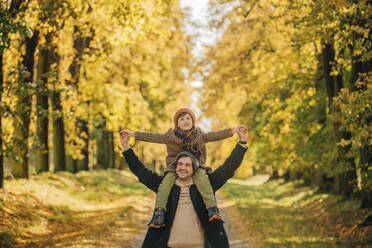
x=138, y=239
x=45, y=226
x=238, y=230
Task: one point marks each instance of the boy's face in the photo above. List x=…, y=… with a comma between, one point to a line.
x=185, y=122
x=184, y=169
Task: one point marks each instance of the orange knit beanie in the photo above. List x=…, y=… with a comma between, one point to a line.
x=180, y=111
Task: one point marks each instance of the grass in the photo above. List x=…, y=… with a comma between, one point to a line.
x=291, y=215
x=99, y=208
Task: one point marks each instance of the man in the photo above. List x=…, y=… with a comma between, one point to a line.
x=186, y=222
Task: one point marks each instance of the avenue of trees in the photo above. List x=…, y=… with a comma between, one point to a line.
x=74, y=72
x=299, y=74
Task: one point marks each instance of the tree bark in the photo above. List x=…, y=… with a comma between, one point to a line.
x=42, y=151
x=106, y=163
x=20, y=166
x=101, y=148
x=319, y=174
x=71, y=164
x=365, y=153
x=83, y=133
x=275, y=174
x=105, y=148
x=58, y=133
x=333, y=83
x=1, y=117
x=345, y=166
x=366, y=192
x=111, y=151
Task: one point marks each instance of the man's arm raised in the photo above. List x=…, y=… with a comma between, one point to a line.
x=147, y=177
x=220, y=176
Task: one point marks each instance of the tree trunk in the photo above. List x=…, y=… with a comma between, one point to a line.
x=83, y=133
x=366, y=157
x=58, y=133
x=346, y=176
x=110, y=149
x=59, y=153
x=106, y=163
x=23, y=110
x=71, y=164
x=366, y=192
x=101, y=147
x=365, y=153
x=275, y=173
x=333, y=83
x=42, y=152
x=1, y=117
x=105, y=147
x=318, y=173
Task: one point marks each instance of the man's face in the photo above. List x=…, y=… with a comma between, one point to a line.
x=185, y=122
x=184, y=168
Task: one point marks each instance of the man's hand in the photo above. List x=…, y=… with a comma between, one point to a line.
x=131, y=134
x=243, y=133
x=124, y=139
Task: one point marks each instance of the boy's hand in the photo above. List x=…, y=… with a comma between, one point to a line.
x=124, y=140
x=236, y=130
x=243, y=133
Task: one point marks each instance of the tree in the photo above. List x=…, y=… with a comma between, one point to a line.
x=278, y=64
x=23, y=110
x=9, y=11
x=122, y=62
x=42, y=105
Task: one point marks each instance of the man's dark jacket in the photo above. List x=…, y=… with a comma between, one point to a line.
x=215, y=235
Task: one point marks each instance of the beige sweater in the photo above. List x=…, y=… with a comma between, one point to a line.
x=186, y=230
x=174, y=144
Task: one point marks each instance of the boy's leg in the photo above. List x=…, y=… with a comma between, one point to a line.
x=164, y=190
x=205, y=188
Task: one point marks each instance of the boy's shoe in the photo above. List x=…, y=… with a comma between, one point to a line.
x=157, y=220
x=213, y=214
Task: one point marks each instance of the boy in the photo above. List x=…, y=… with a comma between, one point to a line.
x=184, y=137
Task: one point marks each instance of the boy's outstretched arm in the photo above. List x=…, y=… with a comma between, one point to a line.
x=148, y=137
x=220, y=135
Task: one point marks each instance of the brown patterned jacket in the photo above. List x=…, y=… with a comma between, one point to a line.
x=174, y=144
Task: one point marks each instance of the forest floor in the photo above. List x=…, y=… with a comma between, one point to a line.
x=293, y=215
x=109, y=208
x=100, y=208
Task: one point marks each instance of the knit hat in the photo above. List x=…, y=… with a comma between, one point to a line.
x=195, y=163
x=180, y=111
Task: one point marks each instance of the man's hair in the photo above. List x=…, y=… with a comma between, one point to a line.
x=184, y=156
